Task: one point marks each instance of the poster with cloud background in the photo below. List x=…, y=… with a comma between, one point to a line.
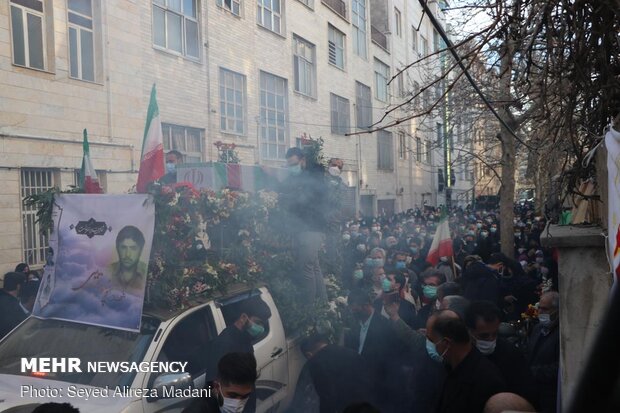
x=97, y=263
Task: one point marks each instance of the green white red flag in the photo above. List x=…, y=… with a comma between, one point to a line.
x=152, y=159
x=442, y=243
x=88, y=176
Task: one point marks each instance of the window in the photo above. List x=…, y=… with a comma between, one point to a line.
x=309, y=3
x=303, y=66
x=416, y=94
x=28, y=32
x=436, y=41
x=269, y=15
x=81, y=40
x=363, y=104
x=426, y=98
x=232, y=6
x=175, y=26
x=186, y=140
x=418, y=149
x=232, y=102
x=385, y=158
x=439, y=129
x=34, y=181
x=428, y=152
x=400, y=84
x=402, y=145
x=358, y=12
x=382, y=73
x=423, y=46
x=336, y=47
x=414, y=39
x=273, y=116
x=340, y=114
x=397, y=25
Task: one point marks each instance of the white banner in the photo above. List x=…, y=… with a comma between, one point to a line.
x=97, y=266
x=612, y=142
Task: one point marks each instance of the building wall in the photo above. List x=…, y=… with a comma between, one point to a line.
x=43, y=112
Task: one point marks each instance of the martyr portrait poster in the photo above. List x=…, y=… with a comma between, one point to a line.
x=98, y=258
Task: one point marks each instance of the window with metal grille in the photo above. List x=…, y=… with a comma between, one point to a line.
x=363, y=105
x=385, y=151
x=233, y=6
x=28, y=33
x=175, y=26
x=273, y=107
x=358, y=19
x=303, y=65
x=336, y=47
x=186, y=140
x=340, y=114
x=81, y=40
x=34, y=181
x=269, y=15
x=402, y=145
x=232, y=102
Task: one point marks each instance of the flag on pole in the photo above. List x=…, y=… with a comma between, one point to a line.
x=612, y=142
x=152, y=158
x=88, y=176
x=442, y=243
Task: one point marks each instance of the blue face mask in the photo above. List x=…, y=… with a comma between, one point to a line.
x=374, y=262
x=255, y=330
x=429, y=291
x=493, y=230
x=413, y=250
x=171, y=168
x=386, y=285
x=431, y=349
x=295, y=169
x=358, y=274
x=401, y=265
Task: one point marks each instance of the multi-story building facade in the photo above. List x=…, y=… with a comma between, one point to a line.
x=258, y=73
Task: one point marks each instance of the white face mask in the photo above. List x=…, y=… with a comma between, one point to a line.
x=233, y=405
x=545, y=319
x=486, y=347
x=334, y=171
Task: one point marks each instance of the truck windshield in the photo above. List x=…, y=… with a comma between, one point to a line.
x=56, y=338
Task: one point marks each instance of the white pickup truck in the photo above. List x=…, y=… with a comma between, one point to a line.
x=184, y=336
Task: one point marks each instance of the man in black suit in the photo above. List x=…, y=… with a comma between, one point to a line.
x=374, y=339
x=339, y=374
x=11, y=313
x=472, y=379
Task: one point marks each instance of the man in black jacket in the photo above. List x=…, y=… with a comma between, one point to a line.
x=472, y=379
x=11, y=313
x=303, y=198
x=483, y=320
x=544, y=350
x=339, y=374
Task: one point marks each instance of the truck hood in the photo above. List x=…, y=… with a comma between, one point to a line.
x=12, y=401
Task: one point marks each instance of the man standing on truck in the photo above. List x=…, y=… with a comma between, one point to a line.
x=303, y=196
x=11, y=313
x=251, y=317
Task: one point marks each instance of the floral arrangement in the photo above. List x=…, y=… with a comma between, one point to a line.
x=530, y=313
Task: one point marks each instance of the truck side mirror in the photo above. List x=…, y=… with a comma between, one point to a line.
x=167, y=384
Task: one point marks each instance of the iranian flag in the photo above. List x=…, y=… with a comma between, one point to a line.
x=152, y=159
x=442, y=243
x=88, y=177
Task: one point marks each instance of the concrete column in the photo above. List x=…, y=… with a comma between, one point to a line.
x=584, y=284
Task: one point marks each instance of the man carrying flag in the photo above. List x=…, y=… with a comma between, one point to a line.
x=152, y=159
x=441, y=248
x=88, y=176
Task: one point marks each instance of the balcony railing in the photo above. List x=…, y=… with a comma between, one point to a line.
x=378, y=37
x=338, y=6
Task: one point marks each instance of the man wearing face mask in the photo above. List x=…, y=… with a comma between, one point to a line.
x=303, y=197
x=544, y=350
x=483, y=321
x=429, y=281
x=238, y=336
x=233, y=387
x=471, y=379
x=173, y=160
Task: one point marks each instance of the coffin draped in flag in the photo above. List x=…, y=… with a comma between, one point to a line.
x=612, y=142
x=442, y=244
x=152, y=159
x=88, y=176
